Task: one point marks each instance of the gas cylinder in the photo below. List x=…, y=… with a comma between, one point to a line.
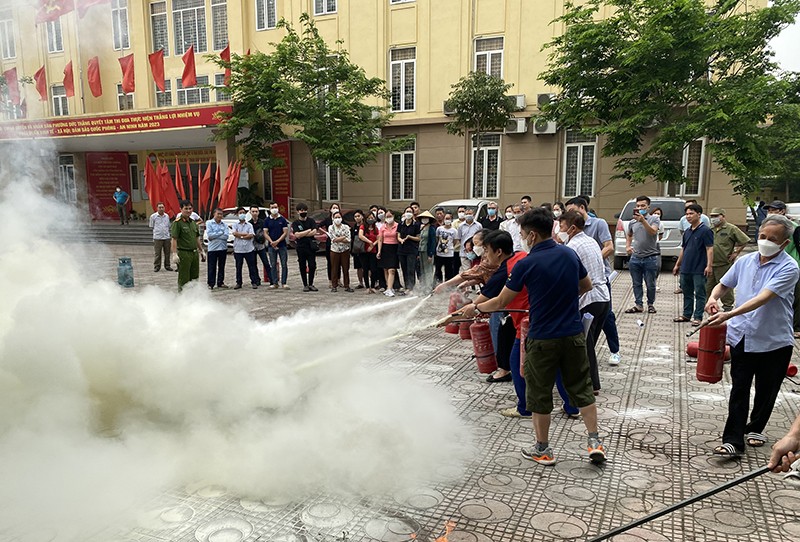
x=523, y=335
x=483, y=347
x=456, y=300
x=727, y=352
x=791, y=370
x=125, y=273
x=463, y=331
x=711, y=353
x=691, y=349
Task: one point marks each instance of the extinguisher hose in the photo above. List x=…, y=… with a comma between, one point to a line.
x=677, y=506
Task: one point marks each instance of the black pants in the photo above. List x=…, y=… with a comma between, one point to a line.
x=369, y=263
x=408, y=263
x=769, y=370
x=216, y=267
x=265, y=262
x=599, y=311
x=307, y=260
x=505, y=343
x=449, y=265
x=252, y=268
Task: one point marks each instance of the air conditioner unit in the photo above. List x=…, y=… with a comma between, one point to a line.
x=542, y=126
x=519, y=102
x=516, y=125
x=543, y=99
x=448, y=111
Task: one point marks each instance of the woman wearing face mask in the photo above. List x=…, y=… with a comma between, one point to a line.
x=368, y=233
x=324, y=225
x=427, y=249
x=558, y=210
x=357, y=247
x=387, y=251
x=408, y=237
x=445, y=258
x=339, y=234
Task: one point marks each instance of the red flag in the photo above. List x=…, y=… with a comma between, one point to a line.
x=229, y=195
x=12, y=85
x=226, y=56
x=157, y=67
x=248, y=52
x=50, y=10
x=69, y=80
x=93, y=76
x=84, y=5
x=168, y=195
x=189, y=179
x=215, y=190
x=40, y=77
x=203, y=187
x=152, y=184
x=128, y=78
x=189, y=78
x=179, y=180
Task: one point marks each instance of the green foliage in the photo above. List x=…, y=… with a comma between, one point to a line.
x=481, y=103
x=658, y=74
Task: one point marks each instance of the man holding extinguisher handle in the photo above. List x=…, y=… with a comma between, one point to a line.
x=760, y=332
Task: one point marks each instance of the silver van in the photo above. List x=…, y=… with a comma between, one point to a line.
x=670, y=242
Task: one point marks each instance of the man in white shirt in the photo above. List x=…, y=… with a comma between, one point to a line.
x=512, y=227
x=244, y=250
x=159, y=223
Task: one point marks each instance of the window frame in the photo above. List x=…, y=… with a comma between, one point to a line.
x=474, y=155
x=402, y=153
x=219, y=81
x=55, y=36
x=489, y=54
x=165, y=14
x=63, y=106
x=115, y=27
x=8, y=42
x=201, y=87
x=680, y=191
x=326, y=10
x=66, y=193
x=223, y=40
x=121, y=95
x=579, y=188
x=327, y=169
x=266, y=4
x=177, y=18
x=402, y=64
x=167, y=92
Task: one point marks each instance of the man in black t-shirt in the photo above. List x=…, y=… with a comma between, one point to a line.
x=304, y=229
x=491, y=221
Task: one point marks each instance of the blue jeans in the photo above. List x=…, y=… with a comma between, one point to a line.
x=494, y=328
x=274, y=253
x=610, y=327
x=262, y=254
x=694, y=295
x=646, y=268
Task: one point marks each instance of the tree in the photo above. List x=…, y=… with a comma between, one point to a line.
x=308, y=91
x=659, y=74
x=480, y=103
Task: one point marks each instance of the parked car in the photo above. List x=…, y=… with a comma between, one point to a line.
x=319, y=216
x=670, y=243
x=229, y=217
x=452, y=205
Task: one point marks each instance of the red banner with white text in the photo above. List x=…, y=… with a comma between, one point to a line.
x=282, y=177
x=104, y=172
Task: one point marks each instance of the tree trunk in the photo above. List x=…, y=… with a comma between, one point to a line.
x=315, y=180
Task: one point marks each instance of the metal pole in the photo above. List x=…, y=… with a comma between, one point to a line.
x=677, y=506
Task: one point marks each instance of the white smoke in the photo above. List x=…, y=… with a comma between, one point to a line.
x=108, y=397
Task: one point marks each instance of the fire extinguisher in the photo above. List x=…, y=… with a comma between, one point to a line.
x=483, y=347
x=463, y=331
x=456, y=300
x=791, y=370
x=523, y=335
x=711, y=353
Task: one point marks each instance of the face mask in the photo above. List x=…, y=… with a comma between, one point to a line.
x=461, y=216
x=715, y=220
x=509, y=216
x=517, y=215
x=491, y=212
x=478, y=251
x=767, y=248
x=381, y=215
x=563, y=237
x=303, y=214
x=426, y=220
x=529, y=243
x=118, y=190
x=470, y=219
x=471, y=256
x=337, y=221
x=371, y=221
x=273, y=212
x=642, y=212
x=448, y=222
x=389, y=219
x=243, y=217
x=408, y=216
x=556, y=214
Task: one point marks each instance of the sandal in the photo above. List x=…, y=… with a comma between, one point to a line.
x=680, y=319
x=727, y=450
x=634, y=309
x=651, y=309
x=695, y=323
x=756, y=440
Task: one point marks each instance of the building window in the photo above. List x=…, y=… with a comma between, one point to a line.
x=486, y=167
x=119, y=24
x=266, y=16
x=55, y=40
x=324, y=7
x=60, y=103
x=159, y=26
x=222, y=91
x=195, y=95
x=8, y=46
x=403, y=67
x=219, y=24
x=328, y=181
x=489, y=56
x=189, y=19
x=579, y=164
x=402, y=173
x=692, y=160
x=8, y=109
x=164, y=99
x=124, y=101
x=66, y=179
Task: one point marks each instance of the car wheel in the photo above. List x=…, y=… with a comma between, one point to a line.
x=619, y=262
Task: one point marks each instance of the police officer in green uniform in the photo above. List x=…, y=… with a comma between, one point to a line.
x=729, y=241
x=186, y=244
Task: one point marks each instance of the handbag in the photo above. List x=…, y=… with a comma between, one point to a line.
x=359, y=247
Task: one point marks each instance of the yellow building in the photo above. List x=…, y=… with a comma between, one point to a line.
x=420, y=47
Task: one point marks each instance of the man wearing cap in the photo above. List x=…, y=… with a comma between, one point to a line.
x=777, y=207
x=729, y=241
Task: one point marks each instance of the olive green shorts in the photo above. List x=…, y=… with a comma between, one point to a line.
x=543, y=360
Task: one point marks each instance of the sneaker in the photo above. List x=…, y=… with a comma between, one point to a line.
x=360, y=287
x=237, y=287
x=312, y=288
x=255, y=286
x=334, y=290
x=614, y=359
x=210, y=287
x=306, y=289
x=389, y=293
x=349, y=290
x=273, y=286
x=513, y=413
x=597, y=452
x=543, y=457
x=285, y=287
x=222, y=287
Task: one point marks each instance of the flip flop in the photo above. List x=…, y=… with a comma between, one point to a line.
x=696, y=323
x=727, y=450
x=680, y=319
x=756, y=440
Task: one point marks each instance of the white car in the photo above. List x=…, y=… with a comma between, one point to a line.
x=670, y=240
x=230, y=218
x=452, y=205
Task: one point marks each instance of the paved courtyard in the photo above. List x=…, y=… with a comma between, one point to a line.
x=658, y=421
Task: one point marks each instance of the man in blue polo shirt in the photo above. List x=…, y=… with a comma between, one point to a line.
x=759, y=332
x=277, y=228
x=554, y=278
x=694, y=265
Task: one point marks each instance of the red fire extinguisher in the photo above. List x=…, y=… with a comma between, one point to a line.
x=523, y=335
x=463, y=331
x=483, y=347
x=791, y=370
x=711, y=353
x=456, y=300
